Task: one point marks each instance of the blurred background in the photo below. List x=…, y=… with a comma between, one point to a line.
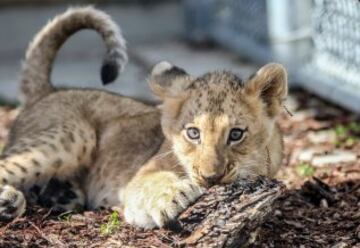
x=317, y=40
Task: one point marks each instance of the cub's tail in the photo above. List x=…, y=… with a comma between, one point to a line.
x=36, y=69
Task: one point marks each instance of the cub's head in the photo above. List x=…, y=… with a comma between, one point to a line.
x=218, y=124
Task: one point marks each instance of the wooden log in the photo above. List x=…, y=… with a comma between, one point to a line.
x=229, y=215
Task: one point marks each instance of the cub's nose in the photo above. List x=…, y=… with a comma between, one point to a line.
x=212, y=179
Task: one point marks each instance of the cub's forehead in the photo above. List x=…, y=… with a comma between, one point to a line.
x=216, y=94
x=218, y=79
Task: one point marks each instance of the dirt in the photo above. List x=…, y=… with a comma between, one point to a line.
x=321, y=207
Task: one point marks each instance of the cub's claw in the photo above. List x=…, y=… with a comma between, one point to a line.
x=12, y=203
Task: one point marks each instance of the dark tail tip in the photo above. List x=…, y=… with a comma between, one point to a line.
x=109, y=71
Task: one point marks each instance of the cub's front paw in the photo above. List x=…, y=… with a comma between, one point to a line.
x=160, y=204
x=12, y=203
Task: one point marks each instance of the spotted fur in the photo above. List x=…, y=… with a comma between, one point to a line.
x=72, y=148
x=41, y=53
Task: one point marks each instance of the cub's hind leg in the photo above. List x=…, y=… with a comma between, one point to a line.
x=34, y=159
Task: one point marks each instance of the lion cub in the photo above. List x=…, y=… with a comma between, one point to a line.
x=75, y=148
x=217, y=129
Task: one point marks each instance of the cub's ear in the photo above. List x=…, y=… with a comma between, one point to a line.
x=270, y=84
x=168, y=81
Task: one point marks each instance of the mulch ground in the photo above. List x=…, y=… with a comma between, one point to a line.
x=321, y=207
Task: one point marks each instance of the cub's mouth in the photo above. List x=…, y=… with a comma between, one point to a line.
x=210, y=180
x=229, y=175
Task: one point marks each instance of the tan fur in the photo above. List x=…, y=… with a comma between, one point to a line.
x=41, y=53
x=116, y=151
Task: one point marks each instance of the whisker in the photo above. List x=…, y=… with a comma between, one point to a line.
x=174, y=165
x=162, y=155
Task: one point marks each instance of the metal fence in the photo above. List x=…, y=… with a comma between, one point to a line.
x=319, y=41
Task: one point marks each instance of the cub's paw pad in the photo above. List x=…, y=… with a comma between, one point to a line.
x=162, y=207
x=61, y=196
x=12, y=203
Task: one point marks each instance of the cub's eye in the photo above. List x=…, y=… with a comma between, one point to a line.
x=235, y=135
x=193, y=133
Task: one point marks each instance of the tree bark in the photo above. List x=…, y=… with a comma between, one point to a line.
x=229, y=215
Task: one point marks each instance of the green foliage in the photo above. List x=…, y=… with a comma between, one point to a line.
x=350, y=141
x=355, y=127
x=305, y=170
x=341, y=131
x=347, y=134
x=65, y=217
x=111, y=225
